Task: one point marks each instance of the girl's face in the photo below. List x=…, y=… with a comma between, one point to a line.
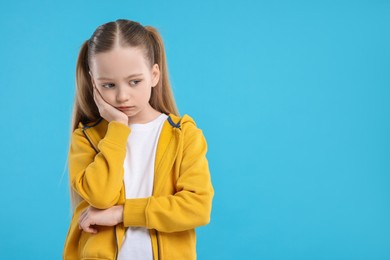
x=125, y=80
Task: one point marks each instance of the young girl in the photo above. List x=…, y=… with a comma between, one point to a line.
x=139, y=177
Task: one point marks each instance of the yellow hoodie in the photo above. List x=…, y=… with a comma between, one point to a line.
x=182, y=191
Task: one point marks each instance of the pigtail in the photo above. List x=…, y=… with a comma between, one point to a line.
x=162, y=97
x=85, y=109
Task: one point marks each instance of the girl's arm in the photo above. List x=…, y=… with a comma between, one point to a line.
x=190, y=206
x=97, y=178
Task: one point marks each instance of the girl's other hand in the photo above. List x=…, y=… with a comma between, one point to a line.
x=104, y=217
x=107, y=111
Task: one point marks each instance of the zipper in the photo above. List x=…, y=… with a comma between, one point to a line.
x=116, y=238
x=90, y=142
x=116, y=243
x=154, y=182
x=158, y=245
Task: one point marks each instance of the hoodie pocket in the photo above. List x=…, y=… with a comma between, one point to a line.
x=101, y=245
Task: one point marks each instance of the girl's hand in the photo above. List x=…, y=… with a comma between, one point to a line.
x=107, y=111
x=104, y=217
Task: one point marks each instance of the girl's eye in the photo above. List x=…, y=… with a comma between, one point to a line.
x=108, y=85
x=134, y=82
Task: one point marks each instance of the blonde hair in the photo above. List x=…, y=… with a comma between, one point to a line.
x=129, y=34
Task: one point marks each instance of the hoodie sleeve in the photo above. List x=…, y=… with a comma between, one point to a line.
x=190, y=206
x=98, y=177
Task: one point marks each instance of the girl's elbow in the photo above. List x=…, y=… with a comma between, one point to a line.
x=204, y=220
x=204, y=215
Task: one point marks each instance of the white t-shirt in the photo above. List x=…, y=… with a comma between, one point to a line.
x=138, y=179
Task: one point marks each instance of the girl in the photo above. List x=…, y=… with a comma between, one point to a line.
x=139, y=177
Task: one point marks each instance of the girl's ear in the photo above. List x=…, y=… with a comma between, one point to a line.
x=155, y=74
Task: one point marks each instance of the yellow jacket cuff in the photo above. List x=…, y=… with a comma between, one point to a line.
x=117, y=134
x=134, y=212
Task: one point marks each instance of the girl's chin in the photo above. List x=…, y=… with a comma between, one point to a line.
x=130, y=113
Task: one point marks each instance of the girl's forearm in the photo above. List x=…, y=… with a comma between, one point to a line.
x=118, y=213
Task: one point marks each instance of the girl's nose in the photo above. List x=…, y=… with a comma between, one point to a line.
x=122, y=94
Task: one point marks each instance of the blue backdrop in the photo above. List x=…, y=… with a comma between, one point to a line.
x=292, y=96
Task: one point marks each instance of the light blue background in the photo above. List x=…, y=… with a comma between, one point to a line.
x=293, y=98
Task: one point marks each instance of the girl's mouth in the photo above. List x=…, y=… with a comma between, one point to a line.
x=125, y=108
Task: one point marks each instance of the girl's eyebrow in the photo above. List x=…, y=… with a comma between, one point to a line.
x=132, y=75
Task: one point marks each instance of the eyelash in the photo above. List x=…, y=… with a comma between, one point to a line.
x=136, y=83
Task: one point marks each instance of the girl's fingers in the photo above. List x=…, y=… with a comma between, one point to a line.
x=86, y=226
x=84, y=222
x=82, y=215
x=91, y=230
x=98, y=98
x=106, y=110
x=95, y=96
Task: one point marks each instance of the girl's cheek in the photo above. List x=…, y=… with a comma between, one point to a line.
x=108, y=97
